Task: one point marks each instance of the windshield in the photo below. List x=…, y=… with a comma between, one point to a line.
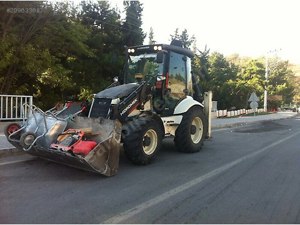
x=143, y=67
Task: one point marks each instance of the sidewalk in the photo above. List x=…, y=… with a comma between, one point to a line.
x=216, y=124
x=230, y=122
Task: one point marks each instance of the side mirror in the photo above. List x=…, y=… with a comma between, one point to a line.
x=115, y=79
x=160, y=57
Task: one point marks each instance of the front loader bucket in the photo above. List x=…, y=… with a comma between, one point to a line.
x=103, y=158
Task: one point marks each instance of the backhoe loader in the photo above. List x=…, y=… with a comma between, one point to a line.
x=155, y=97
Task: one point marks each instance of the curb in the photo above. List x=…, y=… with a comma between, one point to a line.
x=11, y=152
x=236, y=124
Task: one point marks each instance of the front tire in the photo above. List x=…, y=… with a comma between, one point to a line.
x=190, y=134
x=142, y=140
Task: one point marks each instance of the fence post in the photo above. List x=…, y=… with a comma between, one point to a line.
x=207, y=108
x=30, y=104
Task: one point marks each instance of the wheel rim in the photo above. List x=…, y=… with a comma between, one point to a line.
x=149, y=142
x=29, y=139
x=13, y=128
x=198, y=130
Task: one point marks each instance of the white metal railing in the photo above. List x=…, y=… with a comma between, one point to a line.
x=225, y=113
x=11, y=107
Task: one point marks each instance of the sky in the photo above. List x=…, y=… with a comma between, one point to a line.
x=254, y=28
x=247, y=27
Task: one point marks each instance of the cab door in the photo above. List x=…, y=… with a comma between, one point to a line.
x=177, y=82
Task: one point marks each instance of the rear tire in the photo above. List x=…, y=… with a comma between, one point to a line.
x=192, y=131
x=142, y=140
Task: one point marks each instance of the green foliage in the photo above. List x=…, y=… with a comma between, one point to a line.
x=60, y=51
x=233, y=79
x=219, y=75
x=282, y=81
x=184, y=37
x=132, y=31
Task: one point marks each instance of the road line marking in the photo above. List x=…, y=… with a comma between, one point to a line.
x=122, y=217
x=16, y=161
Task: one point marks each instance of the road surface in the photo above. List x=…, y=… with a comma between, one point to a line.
x=248, y=174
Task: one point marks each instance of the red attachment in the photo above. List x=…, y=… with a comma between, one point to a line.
x=71, y=140
x=167, y=80
x=83, y=108
x=84, y=147
x=12, y=128
x=158, y=84
x=68, y=104
x=67, y=140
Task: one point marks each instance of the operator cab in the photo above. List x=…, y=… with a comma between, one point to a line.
x=167, y=68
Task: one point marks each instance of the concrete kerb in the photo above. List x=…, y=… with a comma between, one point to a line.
x=215, y=127
x=229, y=124
x=11, y=152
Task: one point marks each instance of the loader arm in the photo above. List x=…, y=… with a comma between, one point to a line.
x=135, y=100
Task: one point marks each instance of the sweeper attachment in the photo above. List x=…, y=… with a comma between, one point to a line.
x=157, y=96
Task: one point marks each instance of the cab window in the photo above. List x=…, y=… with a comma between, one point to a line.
x=177, y=76
x=143, y=67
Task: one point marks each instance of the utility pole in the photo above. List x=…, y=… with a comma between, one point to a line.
x=266, y=85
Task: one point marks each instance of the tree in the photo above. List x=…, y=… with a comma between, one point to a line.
x=249, y=78
x=175, y=35
x=186, y=40
x=200, y=63
x=151, y=37
x=105, y=40
x=59, y=51
x=220, y=72
x=132, y=32
x=296, y=97
x=20, y=59
x=183, y=37
x=65, y=38
x=281, y=80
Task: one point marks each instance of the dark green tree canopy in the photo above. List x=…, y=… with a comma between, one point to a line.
x=132, y=32
x=64, y=50
x=151, y=37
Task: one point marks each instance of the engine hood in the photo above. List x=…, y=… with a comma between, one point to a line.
x=117, y=91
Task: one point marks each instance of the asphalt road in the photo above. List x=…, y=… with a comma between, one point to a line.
x=247, y=174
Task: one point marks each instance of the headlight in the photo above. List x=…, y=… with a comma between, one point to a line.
x=157, y=48
x=131, y=50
